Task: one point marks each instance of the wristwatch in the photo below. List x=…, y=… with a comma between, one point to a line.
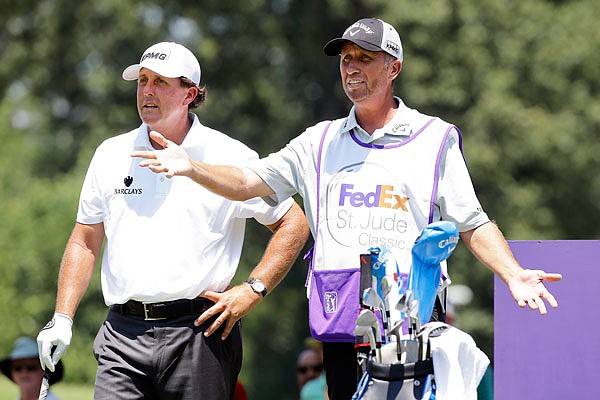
x=258, y=286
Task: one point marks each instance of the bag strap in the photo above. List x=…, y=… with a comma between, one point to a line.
x=400, y=372
x=311, y=252
x=319, y=158
x=438, y=160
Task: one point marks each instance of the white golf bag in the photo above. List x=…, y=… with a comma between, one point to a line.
x=405, y=373
x=403, y=368
x=397, y=381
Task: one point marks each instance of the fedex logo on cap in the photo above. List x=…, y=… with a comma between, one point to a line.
x=383, y=196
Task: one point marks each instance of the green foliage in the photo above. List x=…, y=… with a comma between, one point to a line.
x=519, y=78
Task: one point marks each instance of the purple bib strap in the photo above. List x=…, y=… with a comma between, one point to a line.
x=437, y=168
x=310, y=253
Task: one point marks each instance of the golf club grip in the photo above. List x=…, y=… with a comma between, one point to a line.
x=365, y=274
x=45, y=385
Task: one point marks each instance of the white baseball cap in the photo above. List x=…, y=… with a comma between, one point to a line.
x=371, y=34
x=168, y=59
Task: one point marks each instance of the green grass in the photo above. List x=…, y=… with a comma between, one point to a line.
x=64, y=391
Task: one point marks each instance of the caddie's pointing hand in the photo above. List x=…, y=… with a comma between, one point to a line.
x=57, y=332
x=527, y=289
x=172, y=159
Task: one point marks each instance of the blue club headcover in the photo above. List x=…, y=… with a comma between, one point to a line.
x=435, y=244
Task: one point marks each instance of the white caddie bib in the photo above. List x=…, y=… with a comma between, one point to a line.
x=369, y=195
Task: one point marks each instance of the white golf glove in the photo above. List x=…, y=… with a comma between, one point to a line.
x=57, y=332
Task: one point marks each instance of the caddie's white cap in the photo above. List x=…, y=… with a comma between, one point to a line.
x=371, y=34
x=168, y=59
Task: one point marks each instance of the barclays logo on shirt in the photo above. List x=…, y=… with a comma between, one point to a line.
x=128, y=181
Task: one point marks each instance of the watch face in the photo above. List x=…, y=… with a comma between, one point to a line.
x=258, y=286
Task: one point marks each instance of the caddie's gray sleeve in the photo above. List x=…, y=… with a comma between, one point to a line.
x=457, y=200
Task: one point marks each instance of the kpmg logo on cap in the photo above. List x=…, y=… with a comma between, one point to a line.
x=157, y=55
x=391, y=46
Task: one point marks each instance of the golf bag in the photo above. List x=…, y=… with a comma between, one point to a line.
x=397, y=381
x=411, y=378
x=402, y=369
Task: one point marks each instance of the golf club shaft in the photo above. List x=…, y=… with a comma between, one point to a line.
x=45, y=385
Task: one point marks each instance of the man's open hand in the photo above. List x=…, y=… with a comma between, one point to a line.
x=172, y=159
x=528, y=289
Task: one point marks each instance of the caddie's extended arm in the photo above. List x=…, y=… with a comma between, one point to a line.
x=227, y=181
x=488, y=244
x=77, y=266
x=289, y=236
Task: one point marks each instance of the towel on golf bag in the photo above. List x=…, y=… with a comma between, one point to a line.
x=458, y=363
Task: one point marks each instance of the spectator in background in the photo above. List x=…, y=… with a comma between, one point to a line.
x=309, y=372
x=309, y=366
x=23, y=367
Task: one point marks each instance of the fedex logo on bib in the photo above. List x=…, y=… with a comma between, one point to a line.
x=381, y=196
x=367, y=205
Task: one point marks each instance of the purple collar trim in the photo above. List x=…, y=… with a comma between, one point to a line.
x=390, y=146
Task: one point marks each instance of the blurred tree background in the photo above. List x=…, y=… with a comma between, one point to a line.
x=518, y=77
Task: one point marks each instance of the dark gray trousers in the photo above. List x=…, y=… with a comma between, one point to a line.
x=165, y=360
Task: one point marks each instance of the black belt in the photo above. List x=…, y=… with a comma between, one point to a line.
x=164, y=309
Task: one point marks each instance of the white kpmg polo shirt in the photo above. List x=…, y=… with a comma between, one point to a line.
x=167, y=239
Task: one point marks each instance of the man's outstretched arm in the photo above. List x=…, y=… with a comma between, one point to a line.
x=526, y=286
x=228, y=181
